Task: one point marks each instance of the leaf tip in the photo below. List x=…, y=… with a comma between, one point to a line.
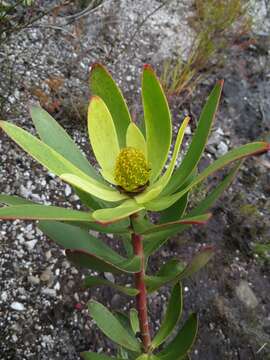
x=221, y=83
x=97, y=66
x=148, y=68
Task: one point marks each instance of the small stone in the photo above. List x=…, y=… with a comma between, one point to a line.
x=68, y=190
x=246, y=295
x=109, y=276
x=4, y=296
x=34, y=280
x=17, y=306
x=49, y=292
x=31, y=244
x=46, y=276
x=222, y=148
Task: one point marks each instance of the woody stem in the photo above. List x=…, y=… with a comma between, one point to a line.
x=141, y=298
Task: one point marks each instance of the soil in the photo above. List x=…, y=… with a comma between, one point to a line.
x=43, y=312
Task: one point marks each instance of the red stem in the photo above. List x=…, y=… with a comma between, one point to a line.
x=141, y=298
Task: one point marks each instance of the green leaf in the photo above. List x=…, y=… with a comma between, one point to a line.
x=102, y=134
x=134, y=320
x=154, y=190
x=172, y=267
x=198, y=262
x=93, y=262
x=90, y=201
x=147, y=357
x=213, y=196
x=102, y=85
x=177, y=210
x=199, y=141
x=141, y=222
x=14, y=200
x=44, y=154
x=51, y=133
x=175, y=271
x=43, y=212
x=174, y=212
x=111, y=327
x=135, y=139
x=183, y=341
x=195, y=220
x=93, y=281
x=157, y=119
x=153, y=241
x=87, y=250
x=172, y=316
x=121, y=227
x=90, y=187
x=127, y=208
x=87, y=355
x=235, y=154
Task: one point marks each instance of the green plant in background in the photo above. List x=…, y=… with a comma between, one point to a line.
x=217, y=24
x=133, y=181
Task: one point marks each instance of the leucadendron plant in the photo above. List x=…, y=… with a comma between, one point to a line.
x=136, y=177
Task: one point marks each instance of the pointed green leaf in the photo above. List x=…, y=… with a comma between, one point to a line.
x=212, y=197
x=121, y=227
x=127, y=208
x=168, y=273
x=102, y=134
x=174, y=212
x=183, y=341
x=134, y=320
x=235, y=154
x=87, y=355
x=172, y=316
x=44, y=154
x=94, y=262
x=198, y=262
x=199, y=140
x=195, y=220
x=111, y=327
x=154, y=190
x=177, y=210
x=51, y=133
x=91, y=187
x=91, y=202
x=176, y=272
x=102, y=85
x=135, y=139
x=87, y=250
x=154, y=241
x=93, y=281
x=43, y=212
x=157, y=119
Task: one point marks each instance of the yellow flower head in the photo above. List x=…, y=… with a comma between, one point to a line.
x=131, y=169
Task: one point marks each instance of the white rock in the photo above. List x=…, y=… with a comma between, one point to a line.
x=68, y=190
x=31, y=244
x=49, y=292
x=17, y=306
x=246, y=295
x=4, y=296
x=222, y=148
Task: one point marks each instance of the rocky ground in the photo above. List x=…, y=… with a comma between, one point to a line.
x=42, y=308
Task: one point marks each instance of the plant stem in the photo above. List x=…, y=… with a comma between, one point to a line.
x=141, y=298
